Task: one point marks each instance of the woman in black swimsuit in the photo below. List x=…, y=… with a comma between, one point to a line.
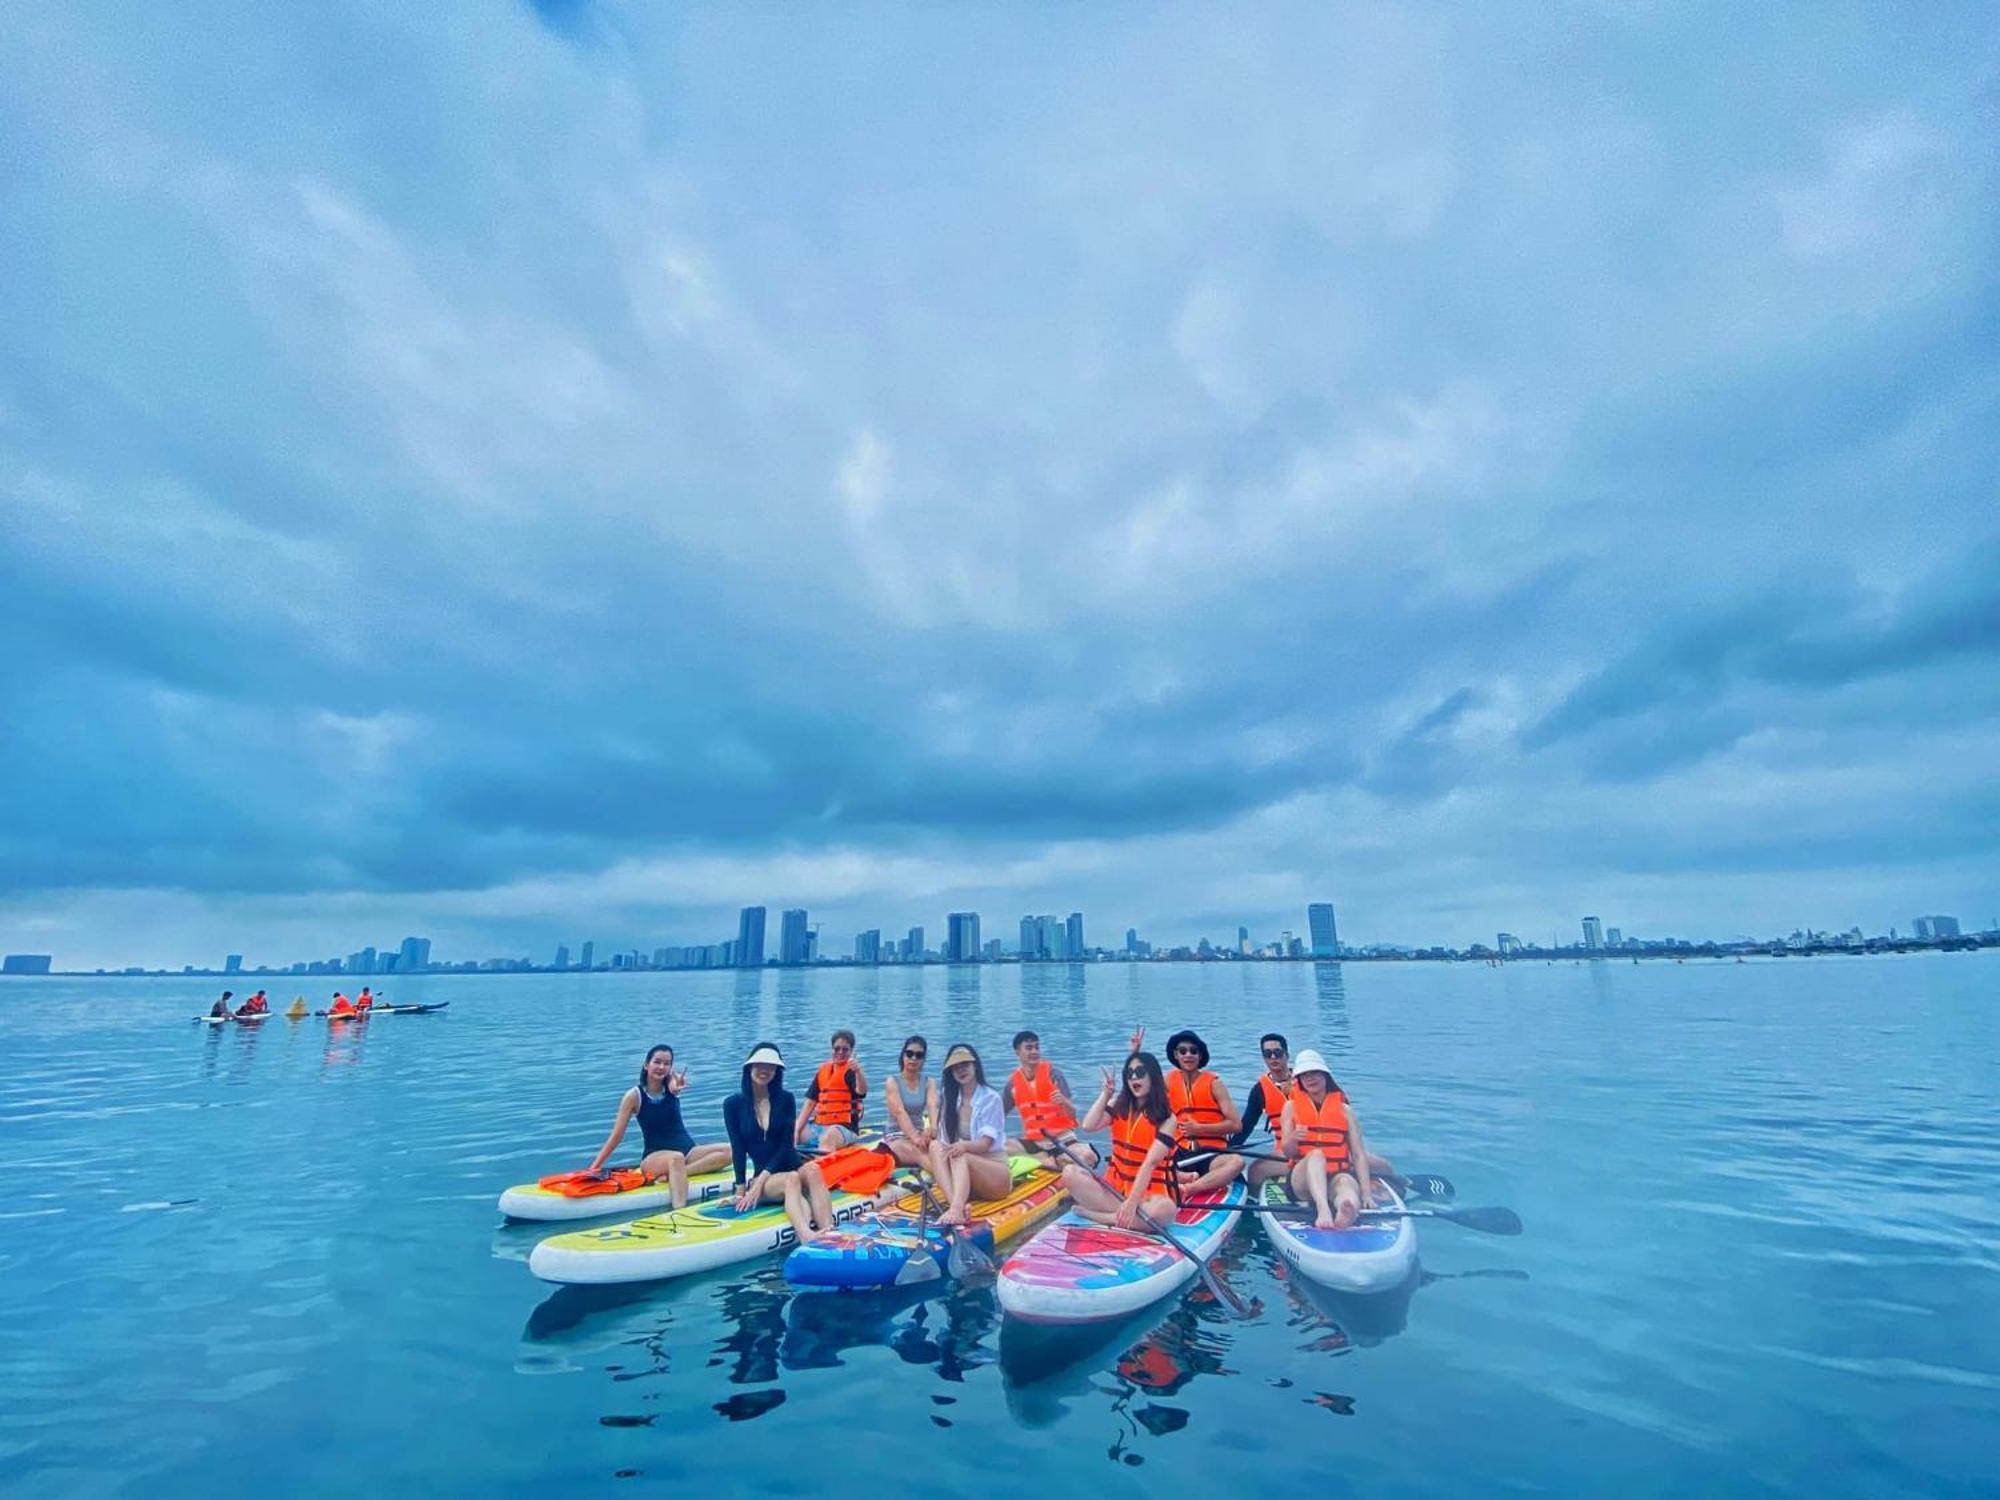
x=670, y=1151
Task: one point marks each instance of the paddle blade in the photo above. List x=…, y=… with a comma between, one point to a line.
x=919, y=1268
x=968, y=1259
x=1488, y=1220
x=1428, y=1186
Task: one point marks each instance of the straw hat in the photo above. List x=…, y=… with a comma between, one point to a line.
x=960, y=1053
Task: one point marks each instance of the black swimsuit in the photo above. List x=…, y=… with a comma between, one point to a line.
x=660, y=1122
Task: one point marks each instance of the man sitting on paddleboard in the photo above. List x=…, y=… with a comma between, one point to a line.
x=1321, y=1138
x=834, y=1099
x=256, y=1005
x=1039, y=1091
x=1202, y=1105
x=221, y=1009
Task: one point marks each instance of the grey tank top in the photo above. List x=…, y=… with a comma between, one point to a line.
x=913, y=1104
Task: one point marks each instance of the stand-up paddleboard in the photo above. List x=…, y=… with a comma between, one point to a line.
x=678, y=1243
x=874, y=1251
x=262, y=1015
x=1078, y=1271
x=546, y=1202
x=387, y=1010
x=1372, y=1255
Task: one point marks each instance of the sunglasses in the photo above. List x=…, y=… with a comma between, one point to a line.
x=1131, y=1073
x=1186, y=1051
x=913, y=1052
x=1274, y=1051
x=842, y=1050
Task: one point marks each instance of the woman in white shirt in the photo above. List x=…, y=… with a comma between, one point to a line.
x=969, y=1155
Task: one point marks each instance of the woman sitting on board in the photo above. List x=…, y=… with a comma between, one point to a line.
x=670, y=1152
x=761, y=1118
x=969, y=1156
x=913, y=1106
x=1143, y=1135
x=1323, y=1140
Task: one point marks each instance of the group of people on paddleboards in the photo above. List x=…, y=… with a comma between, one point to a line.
x=256, y=1005
x=1175, y=1132
x=259, y=1005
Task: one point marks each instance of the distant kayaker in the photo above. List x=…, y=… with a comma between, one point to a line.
x=834, y=1099
x=221, y=1009
x=1040, y=1092
x=760, y=1118
x=1323, y=1141
x=1268, y=1097
x=1143, y=1134
x=670, y=1152
x=365, y=1000
x=969, y=1156
x=913, y=1106
x=342, y=1006
x=1202, y=1105
x=256, y=1005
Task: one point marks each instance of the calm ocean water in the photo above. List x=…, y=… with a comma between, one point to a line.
x=1762, y=1251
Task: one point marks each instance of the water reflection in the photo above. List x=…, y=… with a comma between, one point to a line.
x=1336, y=1036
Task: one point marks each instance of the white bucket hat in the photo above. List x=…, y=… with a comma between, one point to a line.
x=1309, y=1061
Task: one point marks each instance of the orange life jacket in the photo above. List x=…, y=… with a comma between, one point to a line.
x=1043, y=1117
x=342, y=1006
x=835, y=1103
x=1132, y=1138
x=1196, y=1109
x=1274, y=1094
x=253, y=1007
x=856, y=1169
x=366, y=1002
x=1322, y=1127
x=592, y=1184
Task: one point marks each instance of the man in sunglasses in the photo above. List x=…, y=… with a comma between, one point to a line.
x=832, y=1116
x=1267, y=1098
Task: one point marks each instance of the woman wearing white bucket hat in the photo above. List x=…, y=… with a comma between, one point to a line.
x=1321, y=1138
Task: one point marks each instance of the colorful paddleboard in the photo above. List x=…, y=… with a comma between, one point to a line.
x=677, y=1243
x=873, y=1251
x=1077, y=1271
x=1373, y=1255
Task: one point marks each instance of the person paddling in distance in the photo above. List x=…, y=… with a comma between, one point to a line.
x=835, y=1096
x=256, y=1005
x=1321, y=1138
x=365, y=1001
x=760, y=1119
x=969, y=1156
x=1208, y=1118
x=1039, y=1091
x=342, y=1006
x=913, y=1106
x=670, y=1152
x=1143, y=1135
x=1266, y=1107
x=221, y=1009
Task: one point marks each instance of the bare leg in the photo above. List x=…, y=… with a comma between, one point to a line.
x=707, y=1159
x=1221, y=1172
x=671, y=1165
x=988, y=1177
x=958, y=1188
x=1309, y=1185
x=908, y=1152
x=832, y=1138
x=1092, y=1198
x=795, y=1204
x=1261, y=1172
x=1347, y=1199
x=821, y=1201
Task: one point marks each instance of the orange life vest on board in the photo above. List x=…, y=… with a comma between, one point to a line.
x=342, y=1006
x=1043, y=1117
x=1132, y=1138
x=1274, y=1095
x=1322, y=1127
x=835, y=1103
x=1196, y=1108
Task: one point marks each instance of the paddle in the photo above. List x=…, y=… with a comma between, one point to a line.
x=1426, y=1185
x=1216, y=1289
x=921, y=1266
x=1486, y=1220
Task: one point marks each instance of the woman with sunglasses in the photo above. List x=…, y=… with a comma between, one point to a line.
x=969, y=1156
x=670, y=1152
x=1268, y=1096
x=913, y=1106
x=1143, y=1135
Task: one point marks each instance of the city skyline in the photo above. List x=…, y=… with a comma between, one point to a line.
x=750, y=491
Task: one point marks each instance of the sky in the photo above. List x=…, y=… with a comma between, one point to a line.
x=567, y=471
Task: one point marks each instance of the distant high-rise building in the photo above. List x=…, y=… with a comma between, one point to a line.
x=1325, y=935
x=1053, y=936
x=1614, y=937
x=868, y=946
x=791, y=936
x=1296, y=949
x=916, y=944
x=1243, y=941
x=1593, y=934
x=962, y=937
x=1930, y=929
x=357, y=963
x=587, y=960
x=233, y=964
x=750, y=938
x=1508, y=944
x=415, y=954
x=1131, y=940
x=1073, y=934
x=26, y=963
x=562, y=956
x=1031, y=942
x=812, y=945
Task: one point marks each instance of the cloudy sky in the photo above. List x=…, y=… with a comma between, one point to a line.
x=565, y=472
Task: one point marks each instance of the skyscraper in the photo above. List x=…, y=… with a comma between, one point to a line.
x=1325, y=935
x=791, y=935
x=1031, y=942
x=1243, y=941
x=750, y=938
x=916, y=941
x=1593, y=934
x=1073, y=934
x=868, y=946
x=233, y=964
x=1131, y=940
x=562, y=956
x=415, y=954
x=1613, y=937
x=589, y=949
x=962, y=937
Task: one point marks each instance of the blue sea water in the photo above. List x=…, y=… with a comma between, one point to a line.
x=1762, y=1248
